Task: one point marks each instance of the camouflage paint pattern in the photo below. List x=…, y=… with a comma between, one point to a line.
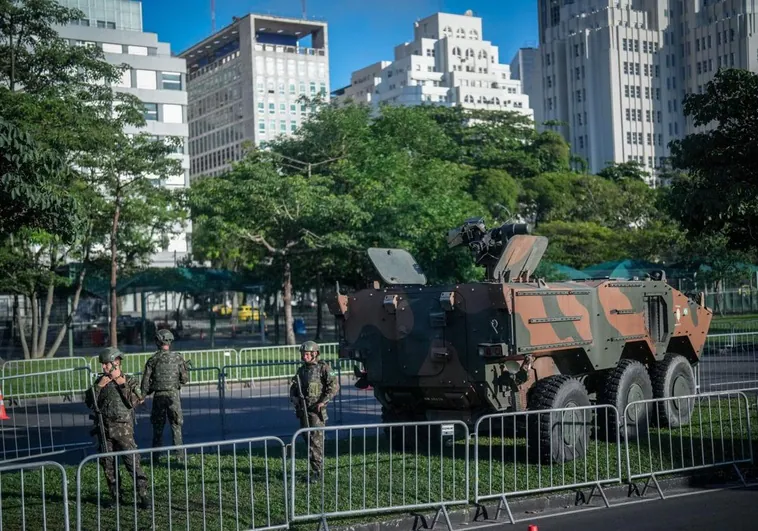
x=419, y=345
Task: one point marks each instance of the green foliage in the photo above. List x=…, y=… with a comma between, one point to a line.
x=580, y=244
x=33, y=189
x=718, y=194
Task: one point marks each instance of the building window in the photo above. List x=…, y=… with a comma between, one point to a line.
x=151, y=111
x=137, y=50
x=171, y=81
x=262, y=126
x=113, y=48
x=146, y=79
x=271, y=108
x=293, y=126
x=261, y=107
x=629, y=138
x=172, y=114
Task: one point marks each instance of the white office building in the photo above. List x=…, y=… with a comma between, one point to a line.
x=526, y=68
x=244, y=85
x=156, y=77
x=448, y=63
x=617, y=71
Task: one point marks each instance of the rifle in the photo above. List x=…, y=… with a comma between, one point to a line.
x=103, y=446
x=303, y=403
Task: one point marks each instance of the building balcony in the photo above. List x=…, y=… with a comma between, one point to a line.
x=297, y=50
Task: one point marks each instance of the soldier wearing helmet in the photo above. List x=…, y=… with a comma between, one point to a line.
x=312, y=387
x=113, y=398
x=164, y=374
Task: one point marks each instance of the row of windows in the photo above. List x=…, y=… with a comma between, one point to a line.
x=216, y=159
x=223, y=116
x=635, y=115
x=633, y=45
x=700, y=44
x=164, y=112
x=270, y=67
x=222, y=78
x=263, y=86
x=150, y=80
x=272, y=126
x=635, y=91
x=129, y=49
x=652, y=162
x=647, y=70
x=217, y=139
x=215, y=101
x=196, y=72
x=460, y=33
x=633, y=138
x=282, y=108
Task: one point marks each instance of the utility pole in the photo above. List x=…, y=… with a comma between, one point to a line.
x=213, y=16
x=304, y=2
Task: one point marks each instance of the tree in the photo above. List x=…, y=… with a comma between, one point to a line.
x=718, y=193
x=131, y=202
x=580, y=244
x=621, y=171
x=283, y=216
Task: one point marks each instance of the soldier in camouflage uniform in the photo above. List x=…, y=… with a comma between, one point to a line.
x=315, y=384
x=113, y=398
x=165, y=373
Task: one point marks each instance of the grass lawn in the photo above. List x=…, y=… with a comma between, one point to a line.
x=236, y=486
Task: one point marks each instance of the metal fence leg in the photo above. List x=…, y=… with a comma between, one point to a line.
x=322, y=524
x=442, y=510
x=599, y=488
x=657, y=487
x=503, y=504
x=742, y=478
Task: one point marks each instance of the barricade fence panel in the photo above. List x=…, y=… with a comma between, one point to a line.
x=373, y=468
x=49, y=365
x=281, y=354
x=40, y=425
x=539, y=451
x=236, y=484
x=199, y=359
x=66, y=382
x=729, y=362
x=34, y=496
x=680, y=434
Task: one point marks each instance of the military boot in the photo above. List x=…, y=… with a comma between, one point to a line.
x=144, y=501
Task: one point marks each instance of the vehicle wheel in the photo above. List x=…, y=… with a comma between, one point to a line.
x=626, y=383
x=673, y=376
x=558, y=436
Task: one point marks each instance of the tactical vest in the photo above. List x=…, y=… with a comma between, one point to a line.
x=112, y=405
x=165, y=375
x=310, y=380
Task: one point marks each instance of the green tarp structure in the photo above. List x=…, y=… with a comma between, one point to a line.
x=192, y=280
x=564, y=271
x=626, y=268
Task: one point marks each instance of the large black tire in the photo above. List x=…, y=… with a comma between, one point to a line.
x=558, y=436
x=626, y=383
x=673, y=376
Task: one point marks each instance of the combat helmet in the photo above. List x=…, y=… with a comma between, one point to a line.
x=109, y=355
x=163, y=337
x=309, y=346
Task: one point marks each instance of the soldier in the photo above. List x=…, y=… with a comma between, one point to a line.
x=113, y=398
x=313, y=386
x=165, y=373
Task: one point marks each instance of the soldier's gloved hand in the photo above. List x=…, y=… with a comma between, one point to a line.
x=320, y=406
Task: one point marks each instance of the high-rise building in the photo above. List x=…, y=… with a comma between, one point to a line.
x=526, y=67
x=448, y=63
x=156, y=77
x=245, y=82
x=617, y=71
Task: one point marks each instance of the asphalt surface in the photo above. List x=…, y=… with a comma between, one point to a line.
x=732, y=510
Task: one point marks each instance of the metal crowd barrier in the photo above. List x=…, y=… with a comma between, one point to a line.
x=31, y=497
x=239, y=483
x=729, y=362
x=375, y=468
x=541, y=451
x=40, y=425
x=20, y=379
x=688, y=433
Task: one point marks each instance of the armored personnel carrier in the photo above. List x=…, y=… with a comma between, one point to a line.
x=516, y=343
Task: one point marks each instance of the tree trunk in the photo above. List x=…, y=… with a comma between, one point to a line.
x=75, y=304
x=21, y=328
x=35, y=323
x=42, y=341
x=319, y=302
x=287, y=300
x=114, y=274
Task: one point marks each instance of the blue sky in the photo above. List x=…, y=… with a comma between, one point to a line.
x=361, y=32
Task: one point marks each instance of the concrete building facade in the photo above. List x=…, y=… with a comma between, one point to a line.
x=526, y=67
x=245, y=82
x=448, y=63
x=156, y=77
x=617, y=71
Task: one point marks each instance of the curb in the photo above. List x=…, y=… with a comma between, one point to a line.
x=549, y=504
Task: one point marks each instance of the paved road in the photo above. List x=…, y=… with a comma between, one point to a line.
x=733, y=510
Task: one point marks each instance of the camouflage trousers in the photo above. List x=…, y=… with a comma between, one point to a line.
x=167, y=405
x=120, y=437
x=315, y=439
